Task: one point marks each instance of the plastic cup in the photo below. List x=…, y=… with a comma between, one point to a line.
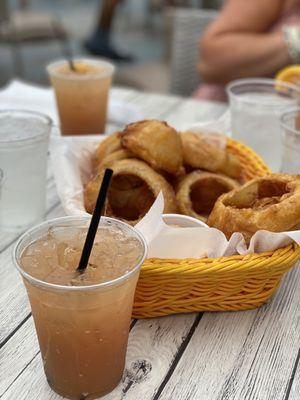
x=183, y=221
x=290, y=125
x=24, y=137
x=255, y=107
x=82, y=95
x=1, y=179
x=82, y=330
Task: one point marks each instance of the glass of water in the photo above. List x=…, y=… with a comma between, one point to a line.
x=24, y=137
x=256, y=106
x=290, y=127
x=1, y=180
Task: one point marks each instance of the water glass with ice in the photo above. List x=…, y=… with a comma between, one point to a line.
x=255, y=107
x=24, y=137
x=290, y=126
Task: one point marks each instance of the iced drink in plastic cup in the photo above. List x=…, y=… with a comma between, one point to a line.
x=81, y=95
x=82, y=319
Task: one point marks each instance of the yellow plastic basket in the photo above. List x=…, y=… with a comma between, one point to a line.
x=170, y=286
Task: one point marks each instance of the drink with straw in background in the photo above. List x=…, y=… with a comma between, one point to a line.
x=81, y=284
x=81, y=90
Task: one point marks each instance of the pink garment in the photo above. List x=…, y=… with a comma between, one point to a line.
x=214, y=92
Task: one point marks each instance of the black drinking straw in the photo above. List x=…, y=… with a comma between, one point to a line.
x=71, y=63
x=90, y=237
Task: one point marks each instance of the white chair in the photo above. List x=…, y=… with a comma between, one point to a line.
x=26, y=26
x=187, y=26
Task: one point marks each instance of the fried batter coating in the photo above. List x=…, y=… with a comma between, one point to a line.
x=156, y=143
x=270, y=203
x=201, y=153
x=107, y=146
x=117, y=155
x=198, y=191
x=133, y=189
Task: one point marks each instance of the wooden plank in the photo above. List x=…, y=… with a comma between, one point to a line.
x=14, y=306
x=293, y=387
x=18, y=353
x=152, y=346
x=242, y=355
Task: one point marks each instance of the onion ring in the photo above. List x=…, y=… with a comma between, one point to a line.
x=117, y=155
x=156, y=143
x=198, y=192
x=270, y=203
x=201, y=153
x=133, y=189
x=110, y=144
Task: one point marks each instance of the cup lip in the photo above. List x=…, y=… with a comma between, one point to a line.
x=55, y=286
x=286, y=114
x=48, y=121
x=95, y=75
x=193, y=220
x=258, y=81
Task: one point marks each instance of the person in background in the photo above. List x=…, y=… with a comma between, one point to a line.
x=253, y=38
x=99, y=43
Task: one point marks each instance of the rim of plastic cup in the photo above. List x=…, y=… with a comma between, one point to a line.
x=48, y=122
x=284, y=124
x=56, y=286
x=109, y=71
x=196, y=222
x=258, y=81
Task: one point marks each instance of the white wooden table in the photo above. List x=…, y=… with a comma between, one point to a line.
x=250, y=355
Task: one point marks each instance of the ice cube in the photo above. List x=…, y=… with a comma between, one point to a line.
x=66, y=233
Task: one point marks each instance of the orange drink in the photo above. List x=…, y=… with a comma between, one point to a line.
x=81, y=95
x=82, y=319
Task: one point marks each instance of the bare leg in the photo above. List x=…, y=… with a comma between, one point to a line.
x=106, y=14
x=99, y=43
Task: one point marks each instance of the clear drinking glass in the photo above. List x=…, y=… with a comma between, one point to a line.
x=24, y=139
x=290, y=125
x=81, y=95
x=82, y=330
x=256, y=106
x=1, y=178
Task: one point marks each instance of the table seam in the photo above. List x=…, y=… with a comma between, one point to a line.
x=184, y=344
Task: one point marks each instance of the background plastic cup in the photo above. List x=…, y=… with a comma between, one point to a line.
x=183, y=221
x=1, y=179
x=24, y=139
x=82, y=330
x=290, y=125
x=256, y=106
x=81, y=98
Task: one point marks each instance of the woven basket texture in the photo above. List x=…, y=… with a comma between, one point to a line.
x=239, y=282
